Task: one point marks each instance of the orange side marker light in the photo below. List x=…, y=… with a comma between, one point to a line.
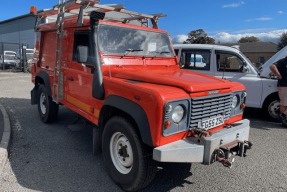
x=33, y=10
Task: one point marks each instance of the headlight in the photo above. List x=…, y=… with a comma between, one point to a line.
x=238, y=103
x=234, y=101
x=177, y=114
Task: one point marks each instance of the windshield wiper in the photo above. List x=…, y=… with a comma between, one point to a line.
x=132, y=50
x=160, y=52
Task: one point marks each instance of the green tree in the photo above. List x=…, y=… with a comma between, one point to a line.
x=199, y=36
x=248, y=39
x=283, y=41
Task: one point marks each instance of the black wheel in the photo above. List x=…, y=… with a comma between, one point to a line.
x=271, y=108
x=48, y=109
x=97, y=147
x=128, y=161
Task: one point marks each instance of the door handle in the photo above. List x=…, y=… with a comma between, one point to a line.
x=70, y=78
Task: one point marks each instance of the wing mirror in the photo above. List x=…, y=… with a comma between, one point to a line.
x=244, y=69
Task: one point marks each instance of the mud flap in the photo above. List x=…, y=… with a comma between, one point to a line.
x=34, y=96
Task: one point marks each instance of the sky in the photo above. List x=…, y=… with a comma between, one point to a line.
x=224, y=20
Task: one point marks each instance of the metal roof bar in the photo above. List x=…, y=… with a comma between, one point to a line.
x=74, y=7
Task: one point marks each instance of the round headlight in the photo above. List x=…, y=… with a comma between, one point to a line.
x=234, y=101
x=177, y=114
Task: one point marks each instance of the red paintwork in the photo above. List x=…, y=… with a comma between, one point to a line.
x=161, y=80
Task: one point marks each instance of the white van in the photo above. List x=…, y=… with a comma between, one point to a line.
x=8, y=60
x=197, y=60
x=29, y=54
x=229, y=63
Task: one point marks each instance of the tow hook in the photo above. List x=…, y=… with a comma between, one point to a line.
x=220, y=156
x=225, y=154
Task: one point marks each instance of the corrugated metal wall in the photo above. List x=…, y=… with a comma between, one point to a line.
x=17, y=31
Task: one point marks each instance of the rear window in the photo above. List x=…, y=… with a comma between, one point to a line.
x=195, y=59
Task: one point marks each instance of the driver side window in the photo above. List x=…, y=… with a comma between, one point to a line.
x=229, y=62
x=81, y=38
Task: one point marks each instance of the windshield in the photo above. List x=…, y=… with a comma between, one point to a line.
x=9, y=57
x=250, y=63
x=127, y=41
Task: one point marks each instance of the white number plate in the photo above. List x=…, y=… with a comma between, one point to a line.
x=210, y=123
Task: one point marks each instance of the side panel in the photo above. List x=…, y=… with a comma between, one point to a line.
x=252, y=83
x=269, y=87
x=46, y=60
x=48, y=50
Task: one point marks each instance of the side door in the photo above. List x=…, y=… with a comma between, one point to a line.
x=78, y=76
x=196, y=59
x=232, y=66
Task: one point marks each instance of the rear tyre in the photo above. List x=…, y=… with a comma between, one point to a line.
x=128, y=161
x=271, y=108
x=48, y=109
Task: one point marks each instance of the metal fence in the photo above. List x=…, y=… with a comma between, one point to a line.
x=13, y=57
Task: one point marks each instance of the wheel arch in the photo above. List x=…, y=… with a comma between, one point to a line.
x=116, y=105
x=41, y=78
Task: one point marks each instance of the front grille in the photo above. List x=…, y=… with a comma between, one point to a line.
x=207, y=107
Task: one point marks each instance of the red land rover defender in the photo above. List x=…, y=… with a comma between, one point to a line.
x=116, y=69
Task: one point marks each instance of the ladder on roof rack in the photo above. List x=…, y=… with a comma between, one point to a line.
x=58, y=85
x=79, y=7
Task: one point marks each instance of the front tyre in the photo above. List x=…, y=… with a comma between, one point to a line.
x=128, y=161
x=48, y=109
x=271, y=108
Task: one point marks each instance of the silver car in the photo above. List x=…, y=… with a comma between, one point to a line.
x=230, y=63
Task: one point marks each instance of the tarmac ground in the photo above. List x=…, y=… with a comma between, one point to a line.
x=5, y=132
x=52, y=157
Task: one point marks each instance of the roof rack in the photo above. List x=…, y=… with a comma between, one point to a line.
x=85, y=7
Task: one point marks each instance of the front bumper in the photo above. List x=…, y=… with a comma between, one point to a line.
x=202, y=150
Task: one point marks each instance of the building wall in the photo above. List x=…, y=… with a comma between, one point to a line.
x=254, y=57
x=17, y=31
x=257, y=52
